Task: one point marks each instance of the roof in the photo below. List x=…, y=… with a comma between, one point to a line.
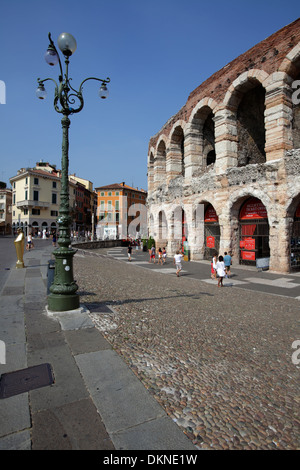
x=119, y=186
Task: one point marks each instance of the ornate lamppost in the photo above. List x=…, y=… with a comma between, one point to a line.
x=63, y=296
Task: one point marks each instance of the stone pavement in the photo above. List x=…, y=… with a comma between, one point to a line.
x=220, y=361
x=94, y=401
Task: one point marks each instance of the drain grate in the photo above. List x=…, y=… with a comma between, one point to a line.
x=24, y=380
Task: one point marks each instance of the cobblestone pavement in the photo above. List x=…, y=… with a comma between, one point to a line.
x=219, y=361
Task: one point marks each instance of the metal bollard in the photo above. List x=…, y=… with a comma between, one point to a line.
x=50, y=274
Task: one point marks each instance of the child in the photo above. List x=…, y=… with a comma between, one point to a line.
x=220, y=271
x=177, y=262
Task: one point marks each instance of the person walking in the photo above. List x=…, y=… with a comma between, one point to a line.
x=29, y=242
x=220, y=271
x=152, y=254
x=214, y=266
x=164, y=255
x=160, y=261
x=129, y=250
x=227, y=262
x=177, y=261
x=54, y=239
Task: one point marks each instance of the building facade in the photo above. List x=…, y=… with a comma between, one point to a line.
x=5, y=210
x=120, y=211
x=36, y=199
x=224, y=172
x=86, y=205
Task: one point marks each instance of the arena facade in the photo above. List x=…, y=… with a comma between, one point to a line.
x=224, y=172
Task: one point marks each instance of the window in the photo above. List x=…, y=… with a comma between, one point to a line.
x=35, y=211
x=14, y=199
x=102, y=194
x=54, y=213
x=26, y=195
x=35, y=195
x=25, y=211
x=117, y=193
x=54, y=198
x=117, y=205
x=53, y=184
x=109, y=205
x=36, y=181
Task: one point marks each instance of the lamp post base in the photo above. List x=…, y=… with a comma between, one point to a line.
x=62, y=303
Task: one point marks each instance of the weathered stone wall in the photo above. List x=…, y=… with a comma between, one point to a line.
x=236, y=137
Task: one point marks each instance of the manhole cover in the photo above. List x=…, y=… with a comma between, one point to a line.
x=24, y=380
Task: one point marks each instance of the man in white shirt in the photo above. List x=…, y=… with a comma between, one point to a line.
x=177, y=261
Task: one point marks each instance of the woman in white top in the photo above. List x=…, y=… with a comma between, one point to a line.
x=214, y=266
x=220, y=271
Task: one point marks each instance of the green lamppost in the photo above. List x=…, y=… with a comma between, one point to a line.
x=64, y=295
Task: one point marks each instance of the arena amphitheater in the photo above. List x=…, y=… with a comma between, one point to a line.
x=224, y=172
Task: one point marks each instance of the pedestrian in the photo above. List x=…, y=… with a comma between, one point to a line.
x=152, y=254
x=29, y=242
x=164, y=255
x=129, y=252
x=227, y=262
x=160, y=261
x=54, y=239
x=213, y=269
x=177, y=261
x=220, y=271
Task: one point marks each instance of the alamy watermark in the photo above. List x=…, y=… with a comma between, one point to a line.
x=296, y=354
x=173, y=220
x=2, y=353
x=2, y=92
x=296, y=93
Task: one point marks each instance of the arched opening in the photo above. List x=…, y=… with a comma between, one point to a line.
x=177, y=144
x=251, y=124
x=209, y=140
x=160, y=163
x=162, y=227
x=151, y=172
x=34, y=228
x=211, y=232
x=253, y=231
x=296, y=112
x=295, y=241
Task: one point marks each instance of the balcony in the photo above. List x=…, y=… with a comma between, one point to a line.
x=31, y=203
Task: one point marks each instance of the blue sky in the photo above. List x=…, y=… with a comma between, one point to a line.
x=155, y=54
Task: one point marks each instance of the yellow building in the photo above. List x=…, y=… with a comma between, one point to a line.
x=36, y=198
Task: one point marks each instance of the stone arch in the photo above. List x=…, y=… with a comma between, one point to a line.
x=176, y=150
x=232, y=212
x=241, y=84
x=200, y=137
x=293, y=232
x=246, y=97
x=151, y=169
x=160, y=160
x=290, y=63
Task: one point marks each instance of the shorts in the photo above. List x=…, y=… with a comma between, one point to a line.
x=179, y=266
